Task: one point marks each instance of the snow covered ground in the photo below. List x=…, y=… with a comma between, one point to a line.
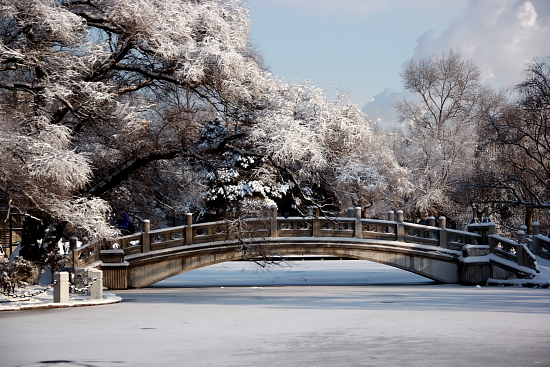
x=323, y=313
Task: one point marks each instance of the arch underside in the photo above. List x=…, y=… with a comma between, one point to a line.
x=153, y=267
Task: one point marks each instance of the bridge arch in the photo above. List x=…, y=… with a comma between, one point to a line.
x=440, y=267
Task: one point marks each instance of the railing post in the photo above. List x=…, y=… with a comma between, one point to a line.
x=351, y=212
x=145, y=239
x=358, y=223
x=188, y=229
x=535, y=228
x=521, y=244
x=96, y=289
x=61, y=287
x=443, y=241
x=391, y=218
x=533, y=243
x=431, y=223
x=274, y=223
x=317, y=223
x=486, y=228
x=400, y=226
x=72, y=245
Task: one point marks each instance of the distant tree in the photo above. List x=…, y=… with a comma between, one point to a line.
x=442, y=125
x=515, y=175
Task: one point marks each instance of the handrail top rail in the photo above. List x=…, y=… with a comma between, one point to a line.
x=503, y=239
x=458, y=231
x=335, y=219
x=421, y=226
x=540, y=236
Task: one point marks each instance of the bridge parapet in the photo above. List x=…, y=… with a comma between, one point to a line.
x=311, y=226
x=477, y=255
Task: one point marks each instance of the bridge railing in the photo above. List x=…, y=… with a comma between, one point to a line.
x=512, y=251
x=540, y=245
x=352, y=226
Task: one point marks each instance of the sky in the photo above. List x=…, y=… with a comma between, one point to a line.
x=359, y=47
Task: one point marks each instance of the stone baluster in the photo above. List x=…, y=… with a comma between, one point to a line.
x=274, y=224
x=317, y=223
x=188, y=229
x=358, y=223
x=521, y=242
x=535, y=228
x=400, y=226
x=391, y=218
x=533, y=242
x=431, y=223
x=72, y=245
x=145, y=238
x=521, y=234
x=443, y=241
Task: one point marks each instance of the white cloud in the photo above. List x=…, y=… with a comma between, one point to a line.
x=500, y=36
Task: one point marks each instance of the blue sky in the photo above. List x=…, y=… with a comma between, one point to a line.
x=360, y=46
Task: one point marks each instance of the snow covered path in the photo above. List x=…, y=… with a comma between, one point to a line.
x=383, y=317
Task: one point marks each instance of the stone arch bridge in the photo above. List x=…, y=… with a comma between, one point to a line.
x=444, y=255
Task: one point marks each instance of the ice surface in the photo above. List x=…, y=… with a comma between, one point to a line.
x=233, y=315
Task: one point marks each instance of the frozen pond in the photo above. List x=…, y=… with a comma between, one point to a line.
x=323, y=313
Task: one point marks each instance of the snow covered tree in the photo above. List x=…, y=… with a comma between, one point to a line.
x=145, y=106
x=95, y=91
x=306, y=151
x=442, y=128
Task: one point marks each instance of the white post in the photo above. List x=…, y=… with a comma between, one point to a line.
x=61, y=287
x=145, y=239
x=96, y=289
